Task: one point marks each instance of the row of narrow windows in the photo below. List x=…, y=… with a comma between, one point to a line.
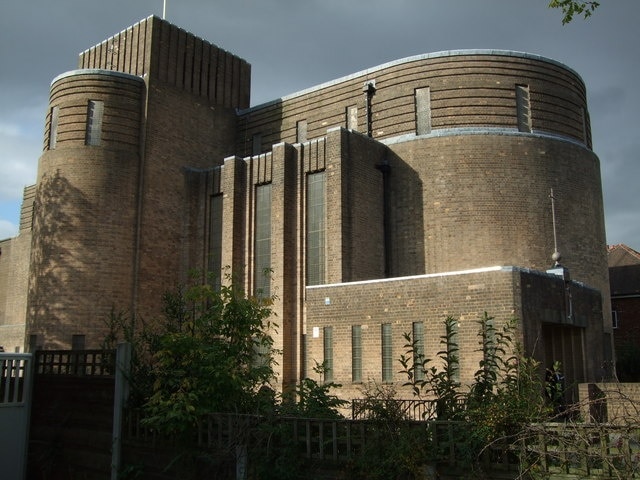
x=388, y=360
x=93, y=127
x=95, y=110
x=422, y=100
x=315, y=216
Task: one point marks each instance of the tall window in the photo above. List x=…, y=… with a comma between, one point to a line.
x=523, y=108
x=301, y=131
x=418, y=354
x=423, y=110
x=327, y=339
x=387, y=353
x=262, y=256
x=53, y=128
x=352, y=118
x=215, y=241
x=95, y=109
x=316, y=229
x=356, y=353
x=256, y=144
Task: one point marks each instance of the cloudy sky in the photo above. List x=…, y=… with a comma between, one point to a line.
x=295, y=44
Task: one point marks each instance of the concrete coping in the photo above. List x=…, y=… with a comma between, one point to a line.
x=445, y=274
x=366, y=73
x=96, y=71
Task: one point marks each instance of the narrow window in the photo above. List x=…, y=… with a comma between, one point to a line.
x=262, y=256
x=523, y=107
x=93, y=134
x=77, y=342
x=352, y=118
x=614, y=319
x=256, y=144
x=387, y=353
x=316, y=229
x=423, y=110
x=215, y=241
x=585, y=127
x=356, y=353
x=418, y=353
x=453, y=350
x=301, y=131
x=53, y=128
x=327, y=340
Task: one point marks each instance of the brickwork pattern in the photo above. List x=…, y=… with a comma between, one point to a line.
x=401, y=302
x=467, y=90
x=430, y=299
x=178, y=58
x=119, y=224
x=473, y=201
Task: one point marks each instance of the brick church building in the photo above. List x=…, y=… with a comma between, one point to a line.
x=382, y=202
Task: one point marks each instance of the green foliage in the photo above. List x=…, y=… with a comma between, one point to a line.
x=429, y=381
x=507, y=392
x=571, y=8
x=379, y=404
x=395, y=447
x=312, y=399
x=213, y=353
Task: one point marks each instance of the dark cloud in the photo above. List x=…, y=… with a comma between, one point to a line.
x=295, y=44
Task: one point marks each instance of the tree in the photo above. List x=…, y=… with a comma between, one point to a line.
x=215, y=355
x=570, y=8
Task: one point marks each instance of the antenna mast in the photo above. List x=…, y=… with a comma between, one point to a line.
x=164, y=9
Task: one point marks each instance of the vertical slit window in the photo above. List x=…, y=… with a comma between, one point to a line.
x=423, y=110
x=453, y=350
x=53, y=128
x=523, y=108
x=387, y=353
x=301, y=131
x=316, y=228
x=418, y=353
x=95, y=109
x=215, y=241
x=585, y=127
x=256, y=144
x=262, y=256
x=352, y=118
x=327, y=338
x=356, y=353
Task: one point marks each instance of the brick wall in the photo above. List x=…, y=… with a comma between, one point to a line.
x=175, y=57
x=501, y=292
x=468, y=89
x=402, y=301
x=14, y=278
x=85, y=211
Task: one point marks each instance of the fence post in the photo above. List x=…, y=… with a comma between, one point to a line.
x=121, y=392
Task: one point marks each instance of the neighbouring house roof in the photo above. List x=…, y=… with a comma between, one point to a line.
x=624, y=270
x=621, y=255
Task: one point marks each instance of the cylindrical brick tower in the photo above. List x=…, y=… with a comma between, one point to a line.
x=85, y=208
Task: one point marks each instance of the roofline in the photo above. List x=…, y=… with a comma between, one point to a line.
x=415, y=58
x=96, y=71
x=498, y=268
